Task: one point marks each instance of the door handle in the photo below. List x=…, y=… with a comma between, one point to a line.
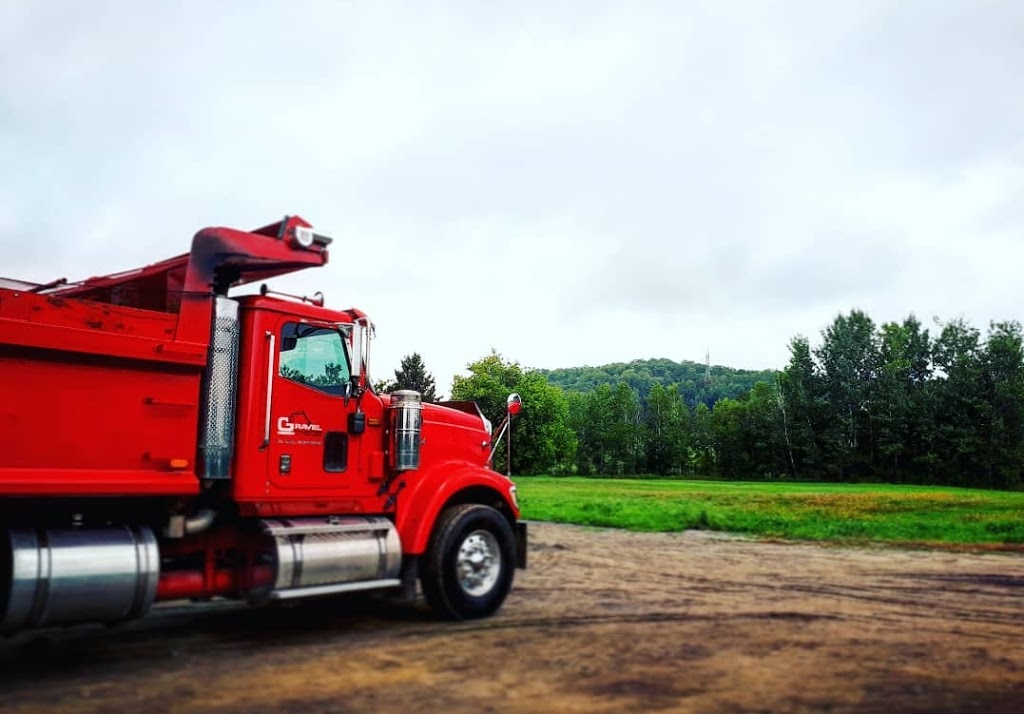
x=272, y=341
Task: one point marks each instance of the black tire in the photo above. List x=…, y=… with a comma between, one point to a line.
x=469, y=564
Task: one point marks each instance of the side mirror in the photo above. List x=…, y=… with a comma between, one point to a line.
x=513, y=404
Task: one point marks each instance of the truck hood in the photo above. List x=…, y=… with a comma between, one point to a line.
x=463, y=415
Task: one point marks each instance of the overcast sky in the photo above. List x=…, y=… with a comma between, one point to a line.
x=570, y=183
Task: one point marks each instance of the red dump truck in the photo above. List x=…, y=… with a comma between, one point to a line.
x=163, y=440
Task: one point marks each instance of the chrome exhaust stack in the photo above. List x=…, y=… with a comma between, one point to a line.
x=218, y=420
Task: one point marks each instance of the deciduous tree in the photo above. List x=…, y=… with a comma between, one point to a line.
x=543, y=441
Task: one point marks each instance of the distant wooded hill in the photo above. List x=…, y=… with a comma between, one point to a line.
x=696, y=383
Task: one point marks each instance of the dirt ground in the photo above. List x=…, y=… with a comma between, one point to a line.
x=602, y=621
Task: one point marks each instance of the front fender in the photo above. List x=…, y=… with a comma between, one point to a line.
x=420, y=505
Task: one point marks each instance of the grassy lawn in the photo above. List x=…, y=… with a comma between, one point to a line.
x=806, y=511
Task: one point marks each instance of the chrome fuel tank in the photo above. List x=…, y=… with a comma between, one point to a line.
x=333, y=554
x=60, y=576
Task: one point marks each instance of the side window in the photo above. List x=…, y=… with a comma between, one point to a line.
x=314, y=356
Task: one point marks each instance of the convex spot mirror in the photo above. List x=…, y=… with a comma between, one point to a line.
x=514, y=404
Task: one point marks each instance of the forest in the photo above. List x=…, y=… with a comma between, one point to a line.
x=696, y=383
x=893, y=402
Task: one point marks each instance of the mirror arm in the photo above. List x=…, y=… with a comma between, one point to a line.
x=502, y=428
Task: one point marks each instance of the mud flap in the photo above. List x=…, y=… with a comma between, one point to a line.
x=520, y=544
x=406, y=592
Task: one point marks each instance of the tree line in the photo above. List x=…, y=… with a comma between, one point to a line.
x=890, y=402
x=695, y=382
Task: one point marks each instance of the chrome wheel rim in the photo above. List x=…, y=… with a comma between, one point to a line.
x=478, y=563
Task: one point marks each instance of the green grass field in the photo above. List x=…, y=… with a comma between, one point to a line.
x=805, y=511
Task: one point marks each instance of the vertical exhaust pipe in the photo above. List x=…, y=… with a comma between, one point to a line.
x=218, y=433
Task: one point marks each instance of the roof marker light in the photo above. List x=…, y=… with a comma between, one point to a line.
x=304, y=236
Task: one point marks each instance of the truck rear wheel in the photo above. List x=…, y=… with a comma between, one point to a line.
x=468, y=567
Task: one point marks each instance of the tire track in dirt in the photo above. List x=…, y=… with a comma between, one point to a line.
x=603, y=621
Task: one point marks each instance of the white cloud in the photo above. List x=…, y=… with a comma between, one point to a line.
x=567, y=182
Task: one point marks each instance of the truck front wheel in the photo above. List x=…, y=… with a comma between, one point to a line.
x=468, y=567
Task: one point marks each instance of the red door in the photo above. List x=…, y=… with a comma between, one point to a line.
x=311, y=453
